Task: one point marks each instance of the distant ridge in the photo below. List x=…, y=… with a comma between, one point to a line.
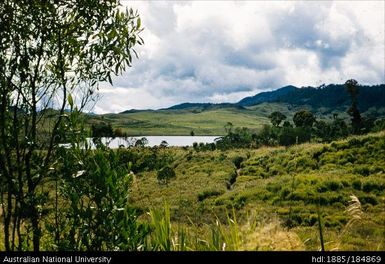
x=267, y=97
x=134, y=111
x=333, y=96
x=203, y=106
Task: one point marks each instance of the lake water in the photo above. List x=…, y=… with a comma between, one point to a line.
x=172, y=141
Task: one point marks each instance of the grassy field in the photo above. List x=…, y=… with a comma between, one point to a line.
x=203, y=121
x=269, y=198
x=182, y=122
x=283, y=188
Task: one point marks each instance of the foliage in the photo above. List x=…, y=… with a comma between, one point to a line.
x=276, y=118
x=98, y=215
x=237, y=160
x=118, y=132
x=328, y=97
x=165, y=174
x=208, y=194
x=304, y=118
x=141, y=143
x=52, y=55
x=102, y=129
x=353, y=89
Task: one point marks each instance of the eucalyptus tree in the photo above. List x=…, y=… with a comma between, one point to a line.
x=53, y=54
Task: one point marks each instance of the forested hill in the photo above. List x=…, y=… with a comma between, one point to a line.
x=204, y=106
x=330, y=96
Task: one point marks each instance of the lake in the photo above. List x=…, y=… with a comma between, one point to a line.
x=172, y=141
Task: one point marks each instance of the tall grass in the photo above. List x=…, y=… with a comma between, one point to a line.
x=354, y=210
x=161, y=238
x=218, y=236
x=166, y=237
x=320, y=228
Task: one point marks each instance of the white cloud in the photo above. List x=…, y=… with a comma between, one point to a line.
x=217, y=51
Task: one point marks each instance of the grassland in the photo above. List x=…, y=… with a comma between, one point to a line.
x=203, y=121
x=283, y=188
x=182, y=122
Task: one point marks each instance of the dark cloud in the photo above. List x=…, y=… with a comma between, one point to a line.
x=223, y=51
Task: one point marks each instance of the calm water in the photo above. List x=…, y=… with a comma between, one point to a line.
x=172, y=141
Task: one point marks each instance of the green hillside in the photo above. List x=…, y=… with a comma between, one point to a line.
x=250, y=112
x=281, y=184
x=205, y=121
x=182, y=122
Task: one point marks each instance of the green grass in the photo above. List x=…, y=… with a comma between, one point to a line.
x=275, y=200
x=182, y=122
x=285, y=184
x=204, y=121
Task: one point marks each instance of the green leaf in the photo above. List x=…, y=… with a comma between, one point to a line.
x=70, y=101
x=138, y=23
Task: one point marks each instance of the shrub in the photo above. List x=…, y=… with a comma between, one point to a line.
x=285, y=192
x=165, y=174
x=238, y=161
x=207, y=194
x=102, y=129
x=361, y=170
x=333, y=185
x=311, y=219
x=356, y=184
x=96, y=215
x=195, y=145
x=239, y=202
x=368, y=199
x=371, y=186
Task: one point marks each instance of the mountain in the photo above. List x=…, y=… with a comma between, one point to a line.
x=267, y=97
x=203, y=106
x=134, y=111
x=251, y=112
x=330, y=96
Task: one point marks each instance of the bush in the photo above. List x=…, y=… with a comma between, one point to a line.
x=368, y=199
x=101, y=129
x=356, y=184
x=165, y=174
x=95, y=214
x=238, y=161
x=239, y=202
x=284, y=193
x=333, y=185
x=371, y=186
x=311, y=220
x=195, y=146
x=362, y=170
x=207, y=194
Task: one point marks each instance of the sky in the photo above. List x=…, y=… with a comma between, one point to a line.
x=223, y=51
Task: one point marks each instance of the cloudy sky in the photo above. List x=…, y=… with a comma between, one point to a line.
x=222, y=51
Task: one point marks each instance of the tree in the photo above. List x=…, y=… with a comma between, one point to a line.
x=163, y=144
x=287, y=124
x=102, y=129
x=229, y=127
x=165, y=174
x=118, y=132
x=352, y=88
x=52, y=55
x=276, y=118
x=304, y=118
x=142, y=142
